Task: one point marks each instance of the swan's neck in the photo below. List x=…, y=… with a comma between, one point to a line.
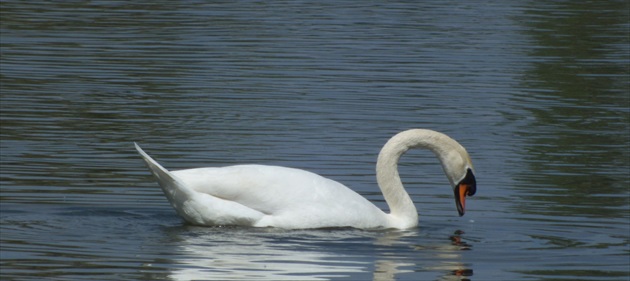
x=402, y=209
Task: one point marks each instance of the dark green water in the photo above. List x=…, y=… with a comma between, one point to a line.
x=537, y=91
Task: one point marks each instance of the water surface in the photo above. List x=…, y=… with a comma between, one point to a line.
x=536, y=91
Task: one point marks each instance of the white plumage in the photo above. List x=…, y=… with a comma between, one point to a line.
x=273, y=196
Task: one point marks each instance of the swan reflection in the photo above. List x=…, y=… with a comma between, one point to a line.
x=263, y=254
x=270, y=254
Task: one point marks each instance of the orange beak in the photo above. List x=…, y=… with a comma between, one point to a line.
x=467, y=187
x=460, y=198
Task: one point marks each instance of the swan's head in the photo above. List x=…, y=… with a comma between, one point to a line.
x=453, y=156
x=459, y=171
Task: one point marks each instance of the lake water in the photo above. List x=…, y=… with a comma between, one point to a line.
x=537, y=91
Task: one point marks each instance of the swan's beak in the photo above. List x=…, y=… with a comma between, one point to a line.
x=466, y=187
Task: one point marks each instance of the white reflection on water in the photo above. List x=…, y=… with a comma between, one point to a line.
x=271, y=254
x=245, y=255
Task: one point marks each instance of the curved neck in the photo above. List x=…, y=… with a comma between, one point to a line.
x=400, y=204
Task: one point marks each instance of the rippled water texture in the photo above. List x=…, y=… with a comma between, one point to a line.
x=537, y=91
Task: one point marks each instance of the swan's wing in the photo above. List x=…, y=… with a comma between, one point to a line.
x=287, y=197
x=261, y=195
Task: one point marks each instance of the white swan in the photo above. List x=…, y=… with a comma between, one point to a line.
x=271, y=196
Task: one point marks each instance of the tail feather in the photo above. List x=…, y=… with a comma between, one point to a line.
x=197, y=207
x=174, y=189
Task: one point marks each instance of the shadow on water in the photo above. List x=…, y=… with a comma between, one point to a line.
x=577, y=142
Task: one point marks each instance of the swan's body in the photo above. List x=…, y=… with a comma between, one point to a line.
x=272, y=196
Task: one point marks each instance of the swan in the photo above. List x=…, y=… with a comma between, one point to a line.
x=273, y=196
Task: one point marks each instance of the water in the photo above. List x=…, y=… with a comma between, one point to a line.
x=537, y=91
